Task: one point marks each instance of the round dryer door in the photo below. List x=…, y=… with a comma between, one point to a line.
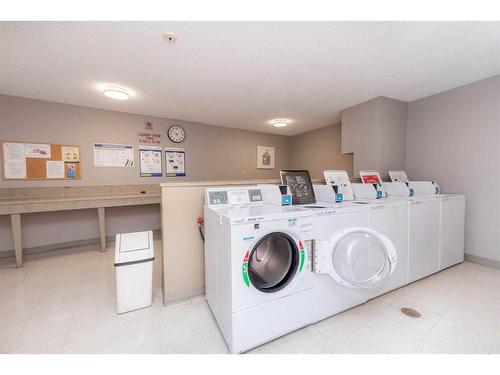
x=273, y=262
x=361, y=258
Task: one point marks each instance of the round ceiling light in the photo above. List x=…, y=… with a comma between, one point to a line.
x=280, y=123
x=116, y=93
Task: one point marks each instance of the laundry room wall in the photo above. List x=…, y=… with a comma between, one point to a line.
x=453, y=137
x=212, y=153
x=375, y=133
x=320, y=149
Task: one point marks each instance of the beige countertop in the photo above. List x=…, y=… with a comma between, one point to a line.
x=43, y=200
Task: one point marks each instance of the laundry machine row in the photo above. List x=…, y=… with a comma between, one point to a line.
x=436, y=220
x=273, y=267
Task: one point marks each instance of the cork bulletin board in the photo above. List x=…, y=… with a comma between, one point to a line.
x=40, y=161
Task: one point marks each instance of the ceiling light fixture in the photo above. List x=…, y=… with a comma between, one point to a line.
x=116, y=93
x=280, y=123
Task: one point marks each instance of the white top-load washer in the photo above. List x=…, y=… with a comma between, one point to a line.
x=451, y=217
x=423, y=220
x=257, y=266
x=353, y=262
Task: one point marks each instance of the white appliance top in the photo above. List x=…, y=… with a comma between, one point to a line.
x=328, y=208
x=387, y=202
x=245, y=214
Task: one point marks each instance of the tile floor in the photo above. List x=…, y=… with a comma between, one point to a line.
x=64, y=302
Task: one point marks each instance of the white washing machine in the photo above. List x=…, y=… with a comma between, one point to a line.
x=452, y=230
x=423, y=222
x=353, y=260
x=257, y=265
x=451, y=226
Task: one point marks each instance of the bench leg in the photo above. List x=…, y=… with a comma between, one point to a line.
x=15, y=220
x=102, y=227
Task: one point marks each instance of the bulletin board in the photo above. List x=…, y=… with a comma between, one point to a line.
x=40, y=161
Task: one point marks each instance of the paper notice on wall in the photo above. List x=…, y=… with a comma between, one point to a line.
x=113, y=155
x=176, y=162
x=14, y=168
x=150, y=161
x=149, y=138
x=55, y=169
x=13, y=151
x=70, y=154
x=14, y=164
x=32, y=150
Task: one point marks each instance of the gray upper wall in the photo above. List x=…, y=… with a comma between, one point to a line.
x=320, y=149
x=375, y=132
x=212, y=152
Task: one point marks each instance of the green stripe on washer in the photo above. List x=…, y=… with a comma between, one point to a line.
x=302, y=259
x=244, y=271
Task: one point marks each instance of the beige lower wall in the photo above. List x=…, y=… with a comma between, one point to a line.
x=320, y=149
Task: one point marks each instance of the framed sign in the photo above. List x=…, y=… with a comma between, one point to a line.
x=175, y=161
x=150, y=161
x=265, y=157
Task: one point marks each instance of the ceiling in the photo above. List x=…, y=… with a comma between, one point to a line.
x=243, y=74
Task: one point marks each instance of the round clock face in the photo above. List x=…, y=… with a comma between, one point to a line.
x=176, y=134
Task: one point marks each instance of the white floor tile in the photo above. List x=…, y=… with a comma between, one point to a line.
x=64, y=302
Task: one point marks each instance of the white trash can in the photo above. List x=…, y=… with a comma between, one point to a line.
x=134, y=256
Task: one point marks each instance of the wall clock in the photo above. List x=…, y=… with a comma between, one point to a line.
x=176, y=134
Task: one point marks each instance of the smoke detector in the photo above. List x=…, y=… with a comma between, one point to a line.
x=170, y=37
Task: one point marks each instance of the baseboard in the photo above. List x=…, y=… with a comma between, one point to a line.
x=65, y=245
x=482, y=261
x=180, y=297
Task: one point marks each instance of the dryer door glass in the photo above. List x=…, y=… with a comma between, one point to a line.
x=273, y=262
x=360, y=259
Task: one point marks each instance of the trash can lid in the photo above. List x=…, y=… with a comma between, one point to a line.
x=134, y=247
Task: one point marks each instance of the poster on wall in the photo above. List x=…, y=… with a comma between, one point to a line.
x=113, y=155
x=176, y=162
x=265, y=157
x=33, y=150
x=70, y=154
x=150, y=161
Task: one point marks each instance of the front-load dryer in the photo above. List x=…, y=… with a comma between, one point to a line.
x=257, y=266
